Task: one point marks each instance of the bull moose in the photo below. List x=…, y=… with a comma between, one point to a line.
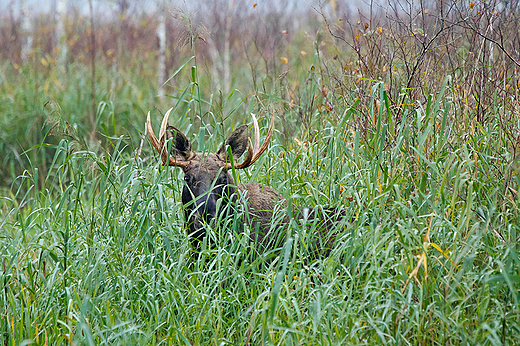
x=207, y=179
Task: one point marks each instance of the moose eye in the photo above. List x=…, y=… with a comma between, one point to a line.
x=186, y=179
x=222, y=180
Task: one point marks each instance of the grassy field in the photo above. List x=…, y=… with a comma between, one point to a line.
x=93, y=245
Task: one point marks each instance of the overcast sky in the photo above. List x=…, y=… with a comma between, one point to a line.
x=37, y=7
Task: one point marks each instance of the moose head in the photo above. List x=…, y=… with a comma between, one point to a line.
x=207, y=177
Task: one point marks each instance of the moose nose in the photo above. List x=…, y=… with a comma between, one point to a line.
x=207, y=206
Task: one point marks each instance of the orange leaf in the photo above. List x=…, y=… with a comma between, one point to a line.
x=471, y=4
x=324, y=92
x=284, y=60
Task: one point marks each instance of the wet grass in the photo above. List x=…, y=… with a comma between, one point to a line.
x=94, y=250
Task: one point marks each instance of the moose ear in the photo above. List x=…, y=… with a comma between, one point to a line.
x=181, y=146
x=237, y=140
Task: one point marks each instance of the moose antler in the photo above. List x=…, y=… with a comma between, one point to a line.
x=159, y=144
x=253, y=154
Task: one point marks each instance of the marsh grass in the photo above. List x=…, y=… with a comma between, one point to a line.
x=93, y=245
x=98, y=253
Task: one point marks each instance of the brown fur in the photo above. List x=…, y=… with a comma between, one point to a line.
x=208, y=180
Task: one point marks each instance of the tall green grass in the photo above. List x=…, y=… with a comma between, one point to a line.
x=94, y=250
x=42, y=103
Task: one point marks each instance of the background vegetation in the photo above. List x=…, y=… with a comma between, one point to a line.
x=404, y=115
